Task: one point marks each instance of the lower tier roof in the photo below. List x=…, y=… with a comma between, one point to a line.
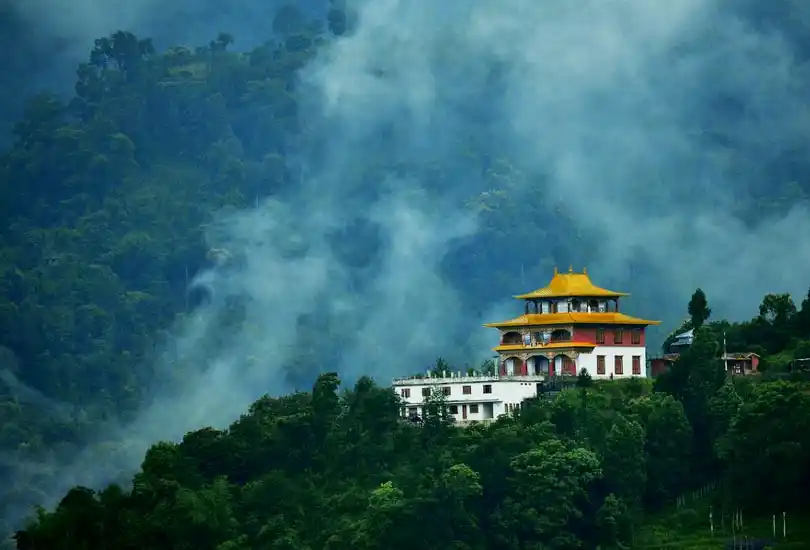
x=542, y=347
x=550, y=319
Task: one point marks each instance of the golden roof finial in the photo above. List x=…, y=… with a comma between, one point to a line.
x=584, y=270
x=555, y=270
x=570, y=268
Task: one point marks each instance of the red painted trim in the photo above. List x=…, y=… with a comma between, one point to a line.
x=588, y=334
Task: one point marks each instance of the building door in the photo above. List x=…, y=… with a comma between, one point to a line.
x=570, y=366
x=464, y=412
x=565, y=365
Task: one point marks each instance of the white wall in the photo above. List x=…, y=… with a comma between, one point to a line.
x=504, y=391
x=588, y=360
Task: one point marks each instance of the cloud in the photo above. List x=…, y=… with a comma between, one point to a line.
x=643, y=122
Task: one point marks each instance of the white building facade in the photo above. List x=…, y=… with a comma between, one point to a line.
x=600, y=362
x=479, y=398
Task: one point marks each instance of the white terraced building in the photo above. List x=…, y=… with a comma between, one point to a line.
x=569, y=326
x=469, y=398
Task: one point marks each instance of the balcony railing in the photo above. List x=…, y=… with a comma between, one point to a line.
x=451, y=378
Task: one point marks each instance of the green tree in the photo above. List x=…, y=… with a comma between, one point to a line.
x=668, y=446
x=767, y=449
x=489, y=368
x=613, y=522
x=454, y=522
x=694, y=379
x=698, y=309
x=624, y=461
x=325, y=404
x=723, y=407
x=802, y=318
x=549, y=484
x=436, y=418
x=382, y=520
x=441, y=367
x=776, y=321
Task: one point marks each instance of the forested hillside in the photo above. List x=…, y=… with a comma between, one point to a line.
x=104, y=203
x=177, y=189
x=339, y=469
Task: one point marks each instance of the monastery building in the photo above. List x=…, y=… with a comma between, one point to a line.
x=568, y=326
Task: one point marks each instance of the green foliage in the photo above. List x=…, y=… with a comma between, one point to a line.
x=767, y=448
x=342, y=470
x=698, y=308
x=104, y=202
x=432, y=487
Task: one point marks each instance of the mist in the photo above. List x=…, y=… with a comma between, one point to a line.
x=622, y=115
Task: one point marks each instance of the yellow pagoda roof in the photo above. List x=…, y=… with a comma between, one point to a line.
x=567, y=285
x=550, y=319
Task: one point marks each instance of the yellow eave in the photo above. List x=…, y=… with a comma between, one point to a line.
x=550, y=345
x=550, y=319
x=541, y=293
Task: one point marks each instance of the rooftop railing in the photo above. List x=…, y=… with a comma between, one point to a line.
x=458, y=377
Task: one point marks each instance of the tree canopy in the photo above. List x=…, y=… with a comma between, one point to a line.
x=341, y=469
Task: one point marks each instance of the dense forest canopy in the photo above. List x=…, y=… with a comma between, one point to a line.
x=197, y=226
x=340, y=469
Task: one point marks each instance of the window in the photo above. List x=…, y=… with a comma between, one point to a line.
x=425, y=392
x=453, y=409
x=561, y=335
x=466, y=390
x=405, y=392
x=473, y=409
x=600, y=336
x=487, y=388
x=618, y=364
x=636, y=365
x=618, y=336
x=412, y=411
x=635, y=337
x=600, y=364
x=446, y=390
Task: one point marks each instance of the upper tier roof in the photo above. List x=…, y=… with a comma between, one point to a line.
x=569, y=285
x=546, y=319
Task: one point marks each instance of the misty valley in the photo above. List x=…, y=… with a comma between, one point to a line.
x=250, y=287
